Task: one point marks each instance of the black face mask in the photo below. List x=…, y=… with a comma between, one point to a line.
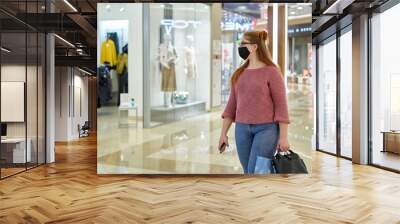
x=244, y=52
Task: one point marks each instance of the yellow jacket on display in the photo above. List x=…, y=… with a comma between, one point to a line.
x=122, y=63
x=108, y=53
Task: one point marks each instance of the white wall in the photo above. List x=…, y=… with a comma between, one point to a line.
x=67, y=114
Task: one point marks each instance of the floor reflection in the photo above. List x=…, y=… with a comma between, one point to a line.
x=189, y=146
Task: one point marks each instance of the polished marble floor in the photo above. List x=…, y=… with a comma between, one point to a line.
x=189, y=146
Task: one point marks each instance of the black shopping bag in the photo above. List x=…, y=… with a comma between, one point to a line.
x=289, y=163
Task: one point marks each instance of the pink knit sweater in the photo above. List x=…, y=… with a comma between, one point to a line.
x=258, y=97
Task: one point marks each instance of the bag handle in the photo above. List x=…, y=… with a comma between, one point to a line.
x=287, y=155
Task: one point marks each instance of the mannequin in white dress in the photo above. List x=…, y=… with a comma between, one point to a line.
x=190, y=68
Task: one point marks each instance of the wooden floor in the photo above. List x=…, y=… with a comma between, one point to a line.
x=69, y=191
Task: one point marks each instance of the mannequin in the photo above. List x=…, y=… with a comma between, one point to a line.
x=168, y=58
x=190, y=67
x=190, y=59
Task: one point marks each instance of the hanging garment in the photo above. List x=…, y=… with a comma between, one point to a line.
x=104, y=86
x=108, y=53
x=122, y=71
x=122, y=63
x=168, y=58
x=190, y=63
x=114, y=37
x=168, y=80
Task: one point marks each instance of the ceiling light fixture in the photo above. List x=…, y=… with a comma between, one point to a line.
x=5, y=50
x=338, y=6
x=65, y=41
x=299, y=8
x=122, y=9
x=70, y=5
x=292, y=13
x=108, y=6
x=84, y=71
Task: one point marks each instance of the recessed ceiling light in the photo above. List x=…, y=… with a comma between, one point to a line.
x=299, y=8
x=43, y=7
x=162, y=5
x=122, y=9
x=292, y=13
x=64, y=40
x=5, y=50
x=70, y=5
x=241, y=8
x=108, y=6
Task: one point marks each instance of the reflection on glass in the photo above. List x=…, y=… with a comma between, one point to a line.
x=15, y=150
x=327, y=96
x=385, y=85
x=346, y=94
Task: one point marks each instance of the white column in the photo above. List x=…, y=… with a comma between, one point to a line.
x=360, y=90
x=50, y=99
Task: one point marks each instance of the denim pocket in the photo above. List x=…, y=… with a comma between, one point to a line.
x=264, y=166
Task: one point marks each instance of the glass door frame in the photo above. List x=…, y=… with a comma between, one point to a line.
x=381, y=9
x=337, y=35
x=44, y=40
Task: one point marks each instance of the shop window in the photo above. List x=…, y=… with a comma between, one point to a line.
x=385, y=89
x=327, y=96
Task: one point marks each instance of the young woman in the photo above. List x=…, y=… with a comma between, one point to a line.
x=257, y=104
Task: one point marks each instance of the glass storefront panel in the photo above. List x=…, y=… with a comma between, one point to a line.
x=22, y=91
x=180, y=61
x=327, y=96
x=233, y=25
x=15, y=150
x=385, y=88
x=346, y=94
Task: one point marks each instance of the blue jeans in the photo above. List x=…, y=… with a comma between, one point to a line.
x=255, y=142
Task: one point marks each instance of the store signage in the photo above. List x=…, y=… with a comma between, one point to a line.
x=299, y=30
x=178, y=24
x=236, y=26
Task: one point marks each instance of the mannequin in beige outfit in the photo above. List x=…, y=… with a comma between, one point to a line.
x=168, y=58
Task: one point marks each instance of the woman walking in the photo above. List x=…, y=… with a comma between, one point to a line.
x=257, y=104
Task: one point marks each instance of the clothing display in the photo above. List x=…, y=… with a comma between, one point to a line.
x=122, y=63
x=114, y=37
x=168, y=59
x=258, y=97
x=108, y=53
x=168, y=82
x=122, y=71
x=104, y=86
x=190, y=63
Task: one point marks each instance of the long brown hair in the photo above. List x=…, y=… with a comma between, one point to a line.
x=263, y=54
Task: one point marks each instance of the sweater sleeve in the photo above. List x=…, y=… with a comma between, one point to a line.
x=230, y=109
x=279, y=99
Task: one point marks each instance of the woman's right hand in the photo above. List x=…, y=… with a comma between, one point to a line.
x=223, y=140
